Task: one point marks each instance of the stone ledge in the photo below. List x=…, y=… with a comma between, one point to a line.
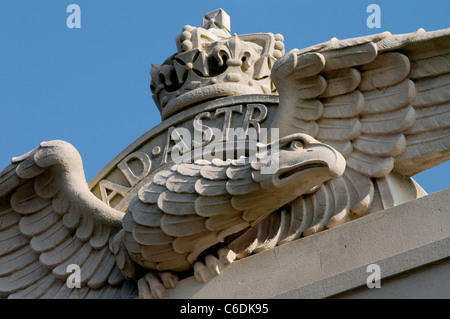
x=332, y=262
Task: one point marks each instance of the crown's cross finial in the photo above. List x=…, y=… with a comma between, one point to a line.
x=217, y=19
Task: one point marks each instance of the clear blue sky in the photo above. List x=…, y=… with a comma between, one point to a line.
x=90, y=86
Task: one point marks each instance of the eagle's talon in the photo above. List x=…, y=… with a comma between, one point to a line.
x=213, y=264
x=152, y=286
x=144, y=289
x=169, y=279
x=201, y=273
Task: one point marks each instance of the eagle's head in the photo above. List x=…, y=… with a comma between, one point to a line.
x=297, y=163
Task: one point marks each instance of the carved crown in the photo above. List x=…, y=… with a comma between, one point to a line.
x=211, y=63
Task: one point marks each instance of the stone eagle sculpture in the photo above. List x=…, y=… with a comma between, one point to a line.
x=355, y=118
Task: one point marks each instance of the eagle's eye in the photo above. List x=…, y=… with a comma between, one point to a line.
x=297, y=144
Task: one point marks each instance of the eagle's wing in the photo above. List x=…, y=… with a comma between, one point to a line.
x=382, y=100
x=49, y=220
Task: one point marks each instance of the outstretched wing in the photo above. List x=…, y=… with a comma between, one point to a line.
x=49, y=220
x=383, y=100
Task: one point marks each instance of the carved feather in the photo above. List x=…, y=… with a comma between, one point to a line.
x=381, y=145
x=310, y=87
x=239, y=172
x=94, y=263
x=50, y=238
x=430, y=67
x=350, y=56
x=213, y=172
x=28, y=168
x=185, y=244
x=388, y=123
x=360, y=192
x=23, y=256
x=321, y=204
x=309, y=110
x=268, y=233
x=181, y=184
x=242, y=186
x=150, y=193
x=178, y=263
x=60, y=204
x=183, y=225
x=308, y=127
x=72, y=218
x=386, y=70
x=11, y=239
x=26, y=201
x=100, y=277
x=35, y=224
x=202, y=244
x=189, y=169
x=423, y=151
x=177, y=203
x=345, y=148
x=8, y=219
x=161, y=177
x=370, y=165
x=46, y=185
x=85, y=229
x=150, y=235
x=131, y=246
x=389, y=99
x=430, y=118
x=338, y=129
x=100, y=237
x=432, y=91
x=344, y=106
x=22, y=278
x=207, y=187
x=340, y=213
x=146, y=214
x=341, y=82
x=223, y=221
x=115, y=278
x=56, y=256
x=211, y=205
x=35, y=291
x=299, y=65
x=158, y=253
x=296, y=221
x=79, y=258
x=8, y=179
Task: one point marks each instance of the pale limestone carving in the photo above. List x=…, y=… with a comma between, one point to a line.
x=356, y=119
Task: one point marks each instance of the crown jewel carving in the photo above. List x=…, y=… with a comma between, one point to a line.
x=211, y=63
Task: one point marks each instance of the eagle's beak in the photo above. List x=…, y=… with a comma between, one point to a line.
x=308, y=166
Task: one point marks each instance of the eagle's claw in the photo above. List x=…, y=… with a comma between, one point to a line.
x=213, y=265
x=152, y=286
